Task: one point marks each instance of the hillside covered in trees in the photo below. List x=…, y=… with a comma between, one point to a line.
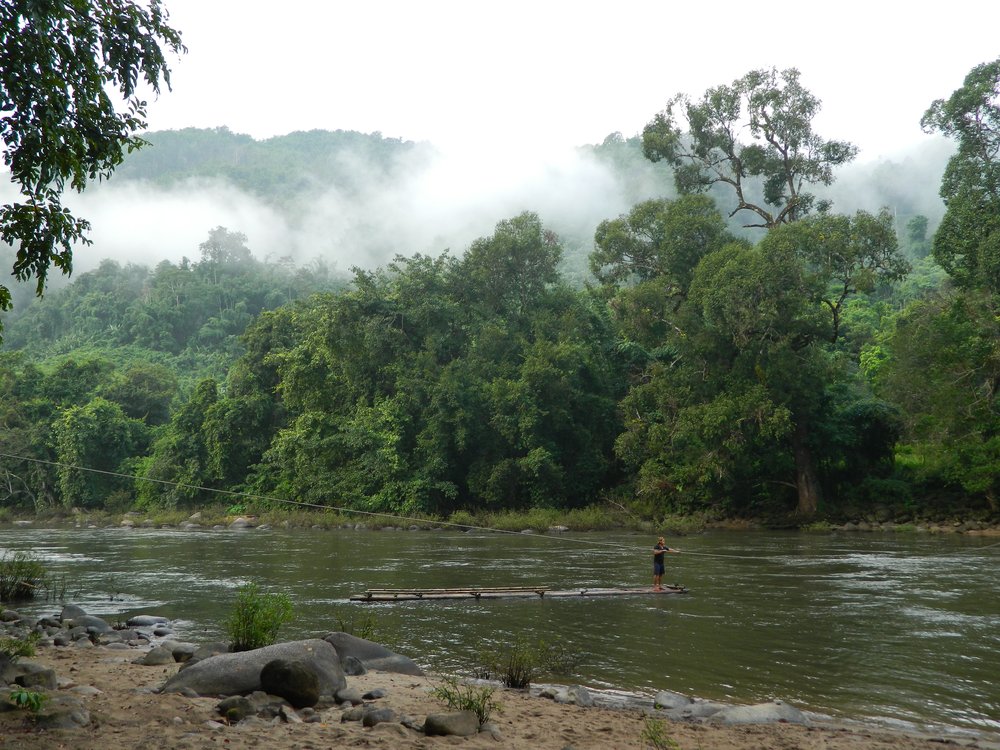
x=720, y=340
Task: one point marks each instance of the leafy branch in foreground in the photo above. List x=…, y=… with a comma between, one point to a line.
x=64, y=130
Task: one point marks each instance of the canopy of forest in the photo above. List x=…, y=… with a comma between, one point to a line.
x=737, y=347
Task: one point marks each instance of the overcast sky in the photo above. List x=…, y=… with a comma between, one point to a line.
x=506, y=91
x=467, y=74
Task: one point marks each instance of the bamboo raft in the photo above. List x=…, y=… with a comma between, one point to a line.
x=504, y=592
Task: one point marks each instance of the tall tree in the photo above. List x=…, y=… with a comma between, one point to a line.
x=756, y=135
x=511, y=269
x=944, y=355
x=776, y=112
x=91, y=442
x=177, y=472
x=736, y=386
x=59, y=64
x=967, y=244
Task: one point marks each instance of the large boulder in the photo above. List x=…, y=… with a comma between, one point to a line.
x=761, y=713
x=155, y=657
x=295, y=681
x=69, y=611
x=146, y=621
x=239, y=673
x=669, y=699
x=206, y=651
x=372, y=655
x=92, y=623
x=456, y=724
x=27, y=674
x=62, y=712
x=43, y=679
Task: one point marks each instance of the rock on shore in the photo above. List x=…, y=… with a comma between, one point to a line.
x=101, y=691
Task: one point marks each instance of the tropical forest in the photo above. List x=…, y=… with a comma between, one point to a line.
x=735, y=341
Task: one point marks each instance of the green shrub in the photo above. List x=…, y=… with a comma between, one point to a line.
x=654, y=734
x=21, y=577
x=478, y=699
x=538, y=519
x=28, y=700
x=523, y=662
x=257, y=618
x=515, y=666
x=303, y=518
x=597, y=518
x=15, y=648
x=462, y=518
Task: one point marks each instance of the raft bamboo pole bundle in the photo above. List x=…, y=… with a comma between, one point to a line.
x=504, y=592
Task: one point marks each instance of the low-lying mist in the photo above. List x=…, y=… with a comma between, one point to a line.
x=444, y=204
x=430, y=204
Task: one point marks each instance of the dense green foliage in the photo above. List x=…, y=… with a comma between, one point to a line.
x=441, y=383
x=191, y=310
x=28, y=700
x=819, y=365
x=115, y=355
x=943, y=363
x=60, y=66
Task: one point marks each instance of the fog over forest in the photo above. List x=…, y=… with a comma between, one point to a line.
x=444, y=204
x=435, y=201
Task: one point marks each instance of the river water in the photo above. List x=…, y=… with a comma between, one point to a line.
x=896, y=629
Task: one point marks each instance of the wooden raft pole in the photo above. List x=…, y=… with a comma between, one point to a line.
x=502, y=592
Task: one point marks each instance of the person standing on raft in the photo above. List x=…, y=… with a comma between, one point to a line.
x=658, y=568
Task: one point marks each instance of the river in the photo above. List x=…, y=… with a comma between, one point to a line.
x=896, y=629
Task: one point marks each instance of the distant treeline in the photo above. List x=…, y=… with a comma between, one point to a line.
x=700, y=369
x=280, y=169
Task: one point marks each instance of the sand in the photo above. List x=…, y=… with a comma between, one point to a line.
x=126, y=715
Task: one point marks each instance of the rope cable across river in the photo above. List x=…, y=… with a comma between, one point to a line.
x=559, y=538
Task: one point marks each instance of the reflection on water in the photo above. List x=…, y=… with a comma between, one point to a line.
x=902, y=629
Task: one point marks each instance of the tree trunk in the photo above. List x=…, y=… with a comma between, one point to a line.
x=806, y=480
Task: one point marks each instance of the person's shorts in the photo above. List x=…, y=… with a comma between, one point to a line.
x=658, y=569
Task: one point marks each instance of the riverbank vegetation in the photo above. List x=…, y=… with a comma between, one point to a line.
x=729, y=348
x=257, y=617
x=21, y=577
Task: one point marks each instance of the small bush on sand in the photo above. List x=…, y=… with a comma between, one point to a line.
x=257, y=618
x=654, y=735
x=475, y=698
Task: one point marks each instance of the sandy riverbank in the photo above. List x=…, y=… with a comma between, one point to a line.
x=125, y=715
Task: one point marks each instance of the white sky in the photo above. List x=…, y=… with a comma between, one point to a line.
x=541, y=74
x=507, y=90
